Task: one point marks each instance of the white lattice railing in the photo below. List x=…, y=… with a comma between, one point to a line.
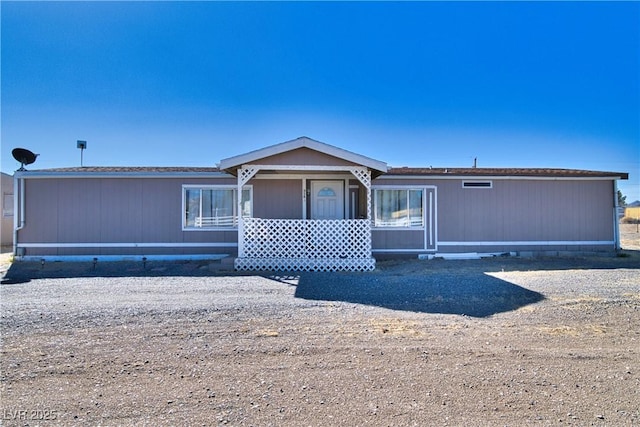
x=295, y=244
x=216, y=221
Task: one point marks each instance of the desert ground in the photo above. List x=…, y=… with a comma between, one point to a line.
x=502, y=341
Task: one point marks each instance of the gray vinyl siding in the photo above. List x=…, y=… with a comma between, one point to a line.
x=397, y=239
x=515, y=210
x=304, y=156
x=118, y=210
x=538, y=211
x=281, y=199
x=122, y=224
x=41, y=212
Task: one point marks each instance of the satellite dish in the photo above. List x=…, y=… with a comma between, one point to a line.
x=24, y=156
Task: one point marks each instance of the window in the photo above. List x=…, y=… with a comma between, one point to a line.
x=326, y=192
x=214, y=206
x=398, y=208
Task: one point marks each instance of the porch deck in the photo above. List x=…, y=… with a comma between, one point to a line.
x=305, y=245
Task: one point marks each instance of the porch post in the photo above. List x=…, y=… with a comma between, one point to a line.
x=244, y=175
x=364, y=176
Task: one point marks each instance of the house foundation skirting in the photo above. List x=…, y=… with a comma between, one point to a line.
x=305, y=264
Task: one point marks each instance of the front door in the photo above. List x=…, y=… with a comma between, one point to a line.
x=327, y=199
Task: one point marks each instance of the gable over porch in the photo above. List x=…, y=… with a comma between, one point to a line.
x=333, y=231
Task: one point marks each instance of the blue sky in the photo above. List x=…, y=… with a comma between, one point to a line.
x=515, y=84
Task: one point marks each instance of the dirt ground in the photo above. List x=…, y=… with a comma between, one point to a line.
x=630, y=236
x=501, y=341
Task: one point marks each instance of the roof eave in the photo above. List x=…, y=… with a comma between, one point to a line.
x=621, y=176
x=231, y=164
x=97, y=174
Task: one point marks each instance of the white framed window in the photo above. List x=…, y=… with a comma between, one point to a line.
x=398, y=207
x=214, y=206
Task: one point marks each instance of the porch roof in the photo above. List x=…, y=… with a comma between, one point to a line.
x=231, y=164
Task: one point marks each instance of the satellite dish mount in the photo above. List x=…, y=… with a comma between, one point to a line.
x=82, y=145
x=24, y=156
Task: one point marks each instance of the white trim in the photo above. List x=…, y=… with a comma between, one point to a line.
x=129, y=245
x=117, y=258
x=402, y=250
x=352, y=203
x=304, y=197
x=501, y=177
x=345, y=202
x=389, y=229
x=616, y=220
x=529, y=243
x=302, y=168
x=296, y=176
x=514, y=243
x=435, y=217
x=429, y=211
x=402, y=186
x=302, y=142
x=209, y=229
x=18, y=210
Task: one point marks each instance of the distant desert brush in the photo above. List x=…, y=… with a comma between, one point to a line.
x=631, y=215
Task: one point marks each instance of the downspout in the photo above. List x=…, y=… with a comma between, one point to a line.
x=18, y=209
x=240, y=184
x=616, y=226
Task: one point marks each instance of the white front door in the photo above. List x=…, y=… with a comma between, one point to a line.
x=327, y=199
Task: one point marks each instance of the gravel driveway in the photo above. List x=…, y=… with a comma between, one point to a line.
x=502, y=341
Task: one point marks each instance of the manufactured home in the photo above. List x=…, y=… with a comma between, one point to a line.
x=307, y=205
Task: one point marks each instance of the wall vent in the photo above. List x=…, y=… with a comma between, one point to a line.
x=477, y=184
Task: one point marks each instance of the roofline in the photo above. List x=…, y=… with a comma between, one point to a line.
x=62, y=174
x=393, y=173
x=74, y=174
x=506, y=172
x=507, y=177
x=302, y=142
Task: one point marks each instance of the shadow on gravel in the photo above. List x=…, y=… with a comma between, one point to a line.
x=24, y=272
x=467, y=293
x=449, y=287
